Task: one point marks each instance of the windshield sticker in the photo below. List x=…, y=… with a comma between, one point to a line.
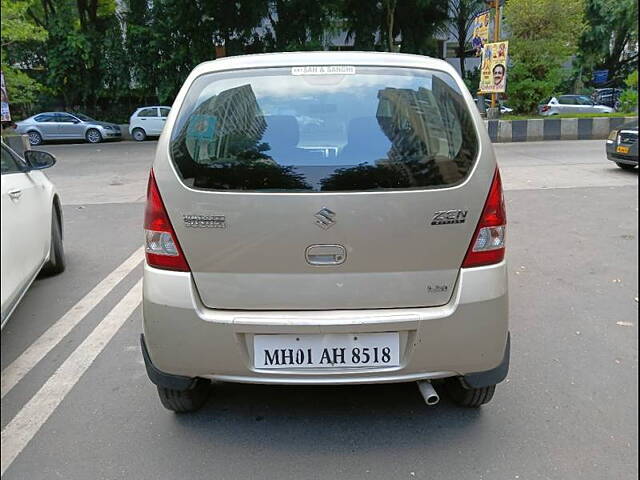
x=324, y=70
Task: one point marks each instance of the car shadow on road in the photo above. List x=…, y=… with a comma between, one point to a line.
x=620, y=172
x=305, y=419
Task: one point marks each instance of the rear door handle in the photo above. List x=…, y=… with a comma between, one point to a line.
x=15, y=194
x=325, y=254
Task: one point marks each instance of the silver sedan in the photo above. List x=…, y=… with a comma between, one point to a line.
x=67, y=126
x=571, y=104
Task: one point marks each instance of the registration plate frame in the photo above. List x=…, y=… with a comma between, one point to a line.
x=322, y=351
x=622, y=149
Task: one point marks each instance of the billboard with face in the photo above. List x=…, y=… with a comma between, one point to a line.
x=493, y=73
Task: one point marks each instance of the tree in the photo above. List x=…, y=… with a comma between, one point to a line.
x=462, y=13
x=629, y=98
x=414, y=21
x=609, y=41
x=389, y=12
x=417, y=22
x=18, y=28
x=362, y=21
x=299, y=24
x=543, y=34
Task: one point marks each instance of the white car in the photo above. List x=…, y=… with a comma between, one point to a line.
x=571, y=104
x=31, y=225
x=148, y=122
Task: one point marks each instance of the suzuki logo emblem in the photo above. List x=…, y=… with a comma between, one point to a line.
x=325, y=218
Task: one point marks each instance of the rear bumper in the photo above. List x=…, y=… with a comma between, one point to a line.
x=630, y=158
x=466, y=337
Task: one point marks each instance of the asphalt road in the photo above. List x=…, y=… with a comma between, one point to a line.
x=569, y=409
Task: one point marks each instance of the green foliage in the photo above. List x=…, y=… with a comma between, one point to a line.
x=472, y=80
x=611, y=29
x=629, y=98
x=22, y=89
x=543, y=35
x=16, y=27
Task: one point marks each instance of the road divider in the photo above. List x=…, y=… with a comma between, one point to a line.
x=538, y=129
x=28, y=359
x=28, y=421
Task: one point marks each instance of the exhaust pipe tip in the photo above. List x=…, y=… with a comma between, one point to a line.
x=429, y=393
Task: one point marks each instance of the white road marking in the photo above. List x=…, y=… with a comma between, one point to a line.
x=56, y=332
x=26, y=424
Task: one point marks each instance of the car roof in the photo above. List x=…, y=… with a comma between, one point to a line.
x=289, y=59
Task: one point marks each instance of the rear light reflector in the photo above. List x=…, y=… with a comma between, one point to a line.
x=488, y=242
x=161, y=244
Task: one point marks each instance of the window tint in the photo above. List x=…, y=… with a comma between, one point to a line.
x=148, y=112
x=164, y=112
x=8, y=163
x=65, y=118
x=45, y=117
x=584, y=101
x=567, y=100
x=269, y=130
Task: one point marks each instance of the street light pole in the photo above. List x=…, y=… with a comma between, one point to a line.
x=496, y=38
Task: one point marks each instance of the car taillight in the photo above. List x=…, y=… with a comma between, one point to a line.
x=488, y=242
x=545, y=108
x=161, y=244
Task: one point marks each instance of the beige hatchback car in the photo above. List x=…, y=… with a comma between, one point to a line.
x=325, y=218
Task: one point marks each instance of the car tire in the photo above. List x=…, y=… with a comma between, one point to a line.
x=93, y=136
x=139, y=135
x=185, y=401
x=56, y=263
x=468, y=397
x=626, y=166
x=34, y=137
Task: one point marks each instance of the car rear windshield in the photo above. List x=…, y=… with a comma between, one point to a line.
x=283, y=130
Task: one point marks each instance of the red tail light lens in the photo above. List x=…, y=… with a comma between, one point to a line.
x=545, y=108
x=488, y=243
x=161, y=244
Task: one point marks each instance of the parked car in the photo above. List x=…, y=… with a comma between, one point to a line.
x=504, y=109
x=31, y=225
x=299, y=231
x=622, y=146
x=148, y=122
x=67, y=126
x=571, y=104
x=607, y=96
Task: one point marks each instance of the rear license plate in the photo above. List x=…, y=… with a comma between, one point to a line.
x=341, y=350
x=621, y=149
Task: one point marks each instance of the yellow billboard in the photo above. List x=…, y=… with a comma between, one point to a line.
x=493, y=72
x=480, y=31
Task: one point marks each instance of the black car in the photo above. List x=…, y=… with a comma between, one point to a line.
x=622, y=146
x=607, y=96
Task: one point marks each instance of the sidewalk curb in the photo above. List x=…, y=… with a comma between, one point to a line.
x=537, y=129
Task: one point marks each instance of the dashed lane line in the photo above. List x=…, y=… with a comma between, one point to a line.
x=26, y=424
